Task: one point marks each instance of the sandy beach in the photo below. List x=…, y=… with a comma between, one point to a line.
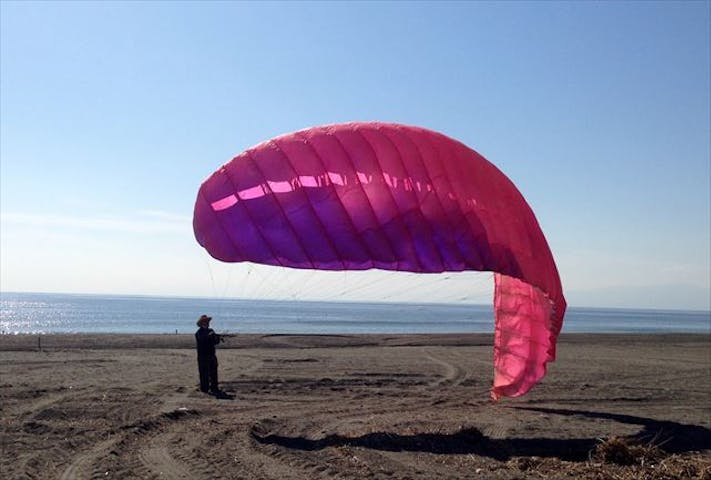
x=356, y=406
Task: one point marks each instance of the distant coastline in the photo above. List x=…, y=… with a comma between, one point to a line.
x=373, y=302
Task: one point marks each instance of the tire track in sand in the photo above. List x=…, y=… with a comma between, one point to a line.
x=158, y=459
x=453, y=374
x=83, y=464
x=142, y=449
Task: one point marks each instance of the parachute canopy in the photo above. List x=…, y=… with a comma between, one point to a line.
x=357, y=196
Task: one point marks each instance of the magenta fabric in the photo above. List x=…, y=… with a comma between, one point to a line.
x=357, y=196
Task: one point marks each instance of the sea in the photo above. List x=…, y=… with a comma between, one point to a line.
x=43, y=313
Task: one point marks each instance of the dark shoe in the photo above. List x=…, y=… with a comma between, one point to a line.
x=219, y=394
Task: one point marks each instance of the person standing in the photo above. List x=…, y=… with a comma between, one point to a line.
x=206, y=339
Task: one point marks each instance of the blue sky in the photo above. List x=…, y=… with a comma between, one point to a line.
x=113, y=113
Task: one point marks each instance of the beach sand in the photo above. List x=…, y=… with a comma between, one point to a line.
x=356, y=406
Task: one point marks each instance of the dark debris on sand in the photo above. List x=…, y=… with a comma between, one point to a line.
x=618, y=458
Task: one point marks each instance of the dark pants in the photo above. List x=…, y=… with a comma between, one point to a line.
x=207, y=367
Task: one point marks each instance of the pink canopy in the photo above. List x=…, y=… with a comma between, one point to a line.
x=357, y=196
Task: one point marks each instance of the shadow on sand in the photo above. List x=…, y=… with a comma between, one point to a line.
x=221, y=395
x=669, y=436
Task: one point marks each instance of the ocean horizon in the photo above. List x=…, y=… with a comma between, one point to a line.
x=45, y=313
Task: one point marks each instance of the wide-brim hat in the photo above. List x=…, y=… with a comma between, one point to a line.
x=203, y=319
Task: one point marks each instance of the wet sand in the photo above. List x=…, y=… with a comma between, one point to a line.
x=356, y=406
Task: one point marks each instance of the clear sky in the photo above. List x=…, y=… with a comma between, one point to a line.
x=113, y=113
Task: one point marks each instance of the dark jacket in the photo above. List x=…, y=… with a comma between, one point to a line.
x=206, y=339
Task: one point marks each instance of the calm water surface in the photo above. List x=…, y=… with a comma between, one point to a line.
x=64, y=313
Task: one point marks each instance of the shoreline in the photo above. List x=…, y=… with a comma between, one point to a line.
x=29, y=341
